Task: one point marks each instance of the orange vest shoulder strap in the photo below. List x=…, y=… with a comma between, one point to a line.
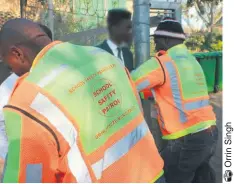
x=18, y=82
x=161, y=57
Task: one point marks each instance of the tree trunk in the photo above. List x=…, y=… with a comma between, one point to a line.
x=212, y=16
x=211, y=23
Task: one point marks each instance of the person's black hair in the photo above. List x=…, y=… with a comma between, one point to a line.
x=23, y=32
x=46, y=30
x=115, y=16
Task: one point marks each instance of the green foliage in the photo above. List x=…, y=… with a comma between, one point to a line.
x=152, y=47
x=195, y=42
x=209, y=11
x=191, y=3
x=71, y=24
x=213, y=42
x=217, y=46
x=210, y=37
x=202, y=42
x=42, y=2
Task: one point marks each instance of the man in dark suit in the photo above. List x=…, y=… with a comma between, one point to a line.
x=120, y=36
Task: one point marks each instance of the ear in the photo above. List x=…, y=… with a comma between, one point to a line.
x=17, y=53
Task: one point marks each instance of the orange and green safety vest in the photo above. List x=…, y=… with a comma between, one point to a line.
x=178, y=85
x=75, y=117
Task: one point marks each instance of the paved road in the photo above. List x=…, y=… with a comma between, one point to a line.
x=216, y=161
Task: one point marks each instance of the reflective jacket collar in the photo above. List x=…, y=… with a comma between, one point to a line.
x=172, y=50
x=42, y=53
x=180, y=47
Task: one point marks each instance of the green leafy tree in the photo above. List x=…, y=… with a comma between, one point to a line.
x=192, y=2
x=200, y=42
x=210, y=11
x=195, y=42
x=152, y=47
x=213, y=44
x=209, y=37
x=217, y=46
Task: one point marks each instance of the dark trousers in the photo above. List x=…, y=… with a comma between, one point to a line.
x=186, y=160
x=161, y=180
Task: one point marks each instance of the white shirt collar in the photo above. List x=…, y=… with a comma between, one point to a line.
x=114, y=49
x=112, y=45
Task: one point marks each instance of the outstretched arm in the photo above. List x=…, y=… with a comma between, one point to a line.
x=148, y=75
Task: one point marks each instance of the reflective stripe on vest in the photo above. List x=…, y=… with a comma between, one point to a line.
x=52, y=75
x=158, y=109
x=119, y=149
x=176, y=91
x=139, y=102
x=34, y=173
x=196, y=105
x=46, y=108
x=96, y=51
x=143, y=85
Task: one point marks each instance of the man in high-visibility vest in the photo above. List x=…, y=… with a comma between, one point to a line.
x=73, y=115
x=186, y=119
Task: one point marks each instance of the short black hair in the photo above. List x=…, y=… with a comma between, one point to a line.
x=46, y=30
x=115, y=16
x=24, y=32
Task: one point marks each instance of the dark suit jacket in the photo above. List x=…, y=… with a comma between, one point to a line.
x=127, y=55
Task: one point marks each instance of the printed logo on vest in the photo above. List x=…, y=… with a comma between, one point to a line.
x=107, y=97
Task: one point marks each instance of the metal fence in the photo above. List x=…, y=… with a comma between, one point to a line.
x=81, y=21
x=84, y=17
